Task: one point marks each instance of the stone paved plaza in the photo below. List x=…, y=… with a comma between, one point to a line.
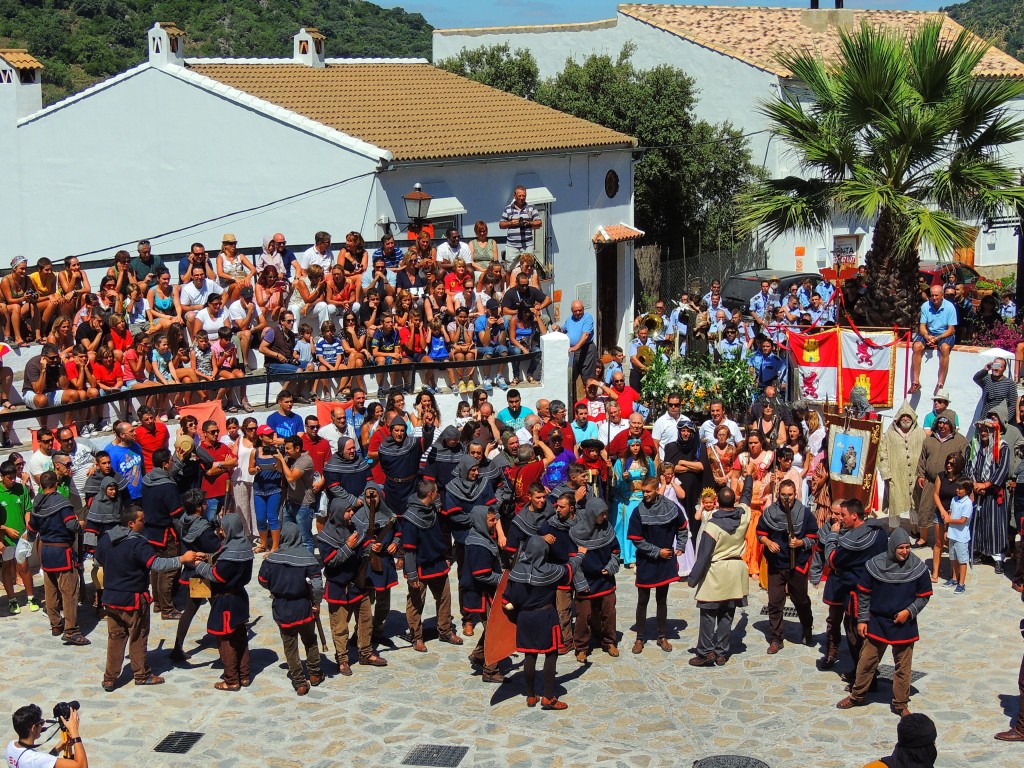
x=647, y=710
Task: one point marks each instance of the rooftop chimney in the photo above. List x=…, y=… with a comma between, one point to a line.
x=309, y=48
x=166, y=44
x=820, y=20
x=21, y=89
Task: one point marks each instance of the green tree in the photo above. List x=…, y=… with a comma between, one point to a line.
x=691, y=170
x=898, y=132
x=497, y=66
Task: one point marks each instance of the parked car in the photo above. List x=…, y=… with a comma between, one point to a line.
x=738, y=289
x=935, y=273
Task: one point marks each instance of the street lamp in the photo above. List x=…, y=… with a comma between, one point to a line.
x=417, y=206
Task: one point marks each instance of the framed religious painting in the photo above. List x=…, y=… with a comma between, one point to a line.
x=851, y=456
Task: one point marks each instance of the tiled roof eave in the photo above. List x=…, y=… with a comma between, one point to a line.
x=400, y=158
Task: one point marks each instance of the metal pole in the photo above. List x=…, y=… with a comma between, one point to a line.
x=1019, y=230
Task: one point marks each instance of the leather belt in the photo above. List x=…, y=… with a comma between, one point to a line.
x=54, y=544
x=405, y=479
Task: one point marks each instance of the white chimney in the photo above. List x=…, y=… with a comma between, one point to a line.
x=309, y=48
x=166, y=44
x=21, y=88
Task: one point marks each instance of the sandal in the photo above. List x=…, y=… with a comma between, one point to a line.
x=222, y=686
x=7, y=404
x=246, y=407
x=914, y=388
x=259, y=550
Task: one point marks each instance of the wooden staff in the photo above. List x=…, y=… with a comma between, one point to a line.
x=789, y=528
x=316, y=616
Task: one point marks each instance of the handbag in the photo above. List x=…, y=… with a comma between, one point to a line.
x=199, y=588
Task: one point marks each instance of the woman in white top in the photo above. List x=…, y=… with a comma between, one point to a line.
x=269, y=256
x=309, y=299
x=241, y=477
x=234, y=270
x=211, y=318
x=468, y=298
x=815, y=432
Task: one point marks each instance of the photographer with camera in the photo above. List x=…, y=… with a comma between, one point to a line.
x=29, y=724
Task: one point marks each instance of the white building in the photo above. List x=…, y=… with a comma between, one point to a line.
x=193, y=148
x=730, y=53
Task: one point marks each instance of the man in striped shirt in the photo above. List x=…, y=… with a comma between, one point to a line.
x=520, y=220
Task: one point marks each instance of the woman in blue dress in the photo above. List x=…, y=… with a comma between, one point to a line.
x=628, y=474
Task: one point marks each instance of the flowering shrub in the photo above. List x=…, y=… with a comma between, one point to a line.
x=1002, y=336
x=698, y=380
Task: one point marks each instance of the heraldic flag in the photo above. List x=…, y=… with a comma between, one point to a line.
x=869, y=360
x=816, y=361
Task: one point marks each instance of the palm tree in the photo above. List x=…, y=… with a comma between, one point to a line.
x=898, y=131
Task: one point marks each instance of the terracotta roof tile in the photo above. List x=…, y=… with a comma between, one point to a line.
x=171, y=29
x=19, y=58
x=617, y=233
x=399, y=107
x=755, y=35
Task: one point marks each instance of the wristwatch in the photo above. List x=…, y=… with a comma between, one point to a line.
x=76, y=740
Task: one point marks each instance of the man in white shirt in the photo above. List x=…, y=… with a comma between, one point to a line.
x=338, y=428
x=613, y=424
x=41, y=459
x=707, y=429
x=525, y=434
x=247, y=318
x=452, y=248
x=318, y=253
x=665, y=430
x=193, y=295
x=82, y=454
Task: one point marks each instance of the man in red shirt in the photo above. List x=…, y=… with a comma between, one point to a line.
x=559, y=420
x=217, y=461
x=152, y=435
x=319, y=450
x=622, y=393
x=618, y=445
x=527, y=471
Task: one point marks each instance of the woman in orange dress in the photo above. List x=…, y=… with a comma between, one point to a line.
x=762, y=460
x=722, y=457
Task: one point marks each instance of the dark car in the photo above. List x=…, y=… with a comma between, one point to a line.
x=741, y=287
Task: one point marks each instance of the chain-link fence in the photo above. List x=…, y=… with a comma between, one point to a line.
x=694, y=272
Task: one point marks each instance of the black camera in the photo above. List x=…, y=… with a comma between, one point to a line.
x=63, y=709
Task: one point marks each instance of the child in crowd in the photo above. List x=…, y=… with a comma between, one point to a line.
x=162, y=373
x=304, y=346
x=201, y=359
x=463, y=414
x=958, y=519
x=225, y=366
x=437, y=351
x=329, y=356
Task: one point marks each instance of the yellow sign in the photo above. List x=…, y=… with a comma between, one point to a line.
x=812, y=351
x=864, y=381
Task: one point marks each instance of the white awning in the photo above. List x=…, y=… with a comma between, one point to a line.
x=445, y=207
x=539, y=195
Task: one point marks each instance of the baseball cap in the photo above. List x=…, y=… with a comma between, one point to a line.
x=492, y=304
x=246, y=292
x=184, y=443
x=263, y=429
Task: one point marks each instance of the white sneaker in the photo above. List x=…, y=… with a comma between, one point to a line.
x=488, y=386
x=499, y=380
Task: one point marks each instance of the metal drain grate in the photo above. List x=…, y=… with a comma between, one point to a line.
x=788, y=612
x=729, y=761
x=436, y=755
x=178, y=742
x=888, y=670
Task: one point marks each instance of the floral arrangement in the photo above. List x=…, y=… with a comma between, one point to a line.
x=1002, y=336
x=698, y=380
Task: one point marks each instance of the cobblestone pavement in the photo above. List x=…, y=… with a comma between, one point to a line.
x=636, y=711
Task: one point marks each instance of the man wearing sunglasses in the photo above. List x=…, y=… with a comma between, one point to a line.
x=217, y=460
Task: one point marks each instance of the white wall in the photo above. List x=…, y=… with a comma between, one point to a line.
x=964, y=394
x=153, y=153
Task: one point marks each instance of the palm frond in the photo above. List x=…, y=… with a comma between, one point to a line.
x=940, y=230
x=873, y=77
x=792, y=204
x=941, y=66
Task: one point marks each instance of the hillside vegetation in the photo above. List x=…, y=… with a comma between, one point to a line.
x=1001, y=21
x=82, y=41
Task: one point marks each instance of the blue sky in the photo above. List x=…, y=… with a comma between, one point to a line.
x=501, y=13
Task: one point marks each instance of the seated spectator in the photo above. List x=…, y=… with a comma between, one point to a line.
x=246, y=320
x=491, y=336
x=309, y=297
x=463, y=348
x=193, y=296
x=197, y=257
x=386, y=346
x=380, y=277
x=49, y=302
x=936, y=330
x=73, y=285
x=45, y=381
x=234, y=270
x=342, y=291
x=409, y=278
x=272, y=292
x=483, y=249
x=19, y=299
x=524, y=337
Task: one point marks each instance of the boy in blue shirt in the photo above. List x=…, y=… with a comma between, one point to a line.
x=958, y=518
